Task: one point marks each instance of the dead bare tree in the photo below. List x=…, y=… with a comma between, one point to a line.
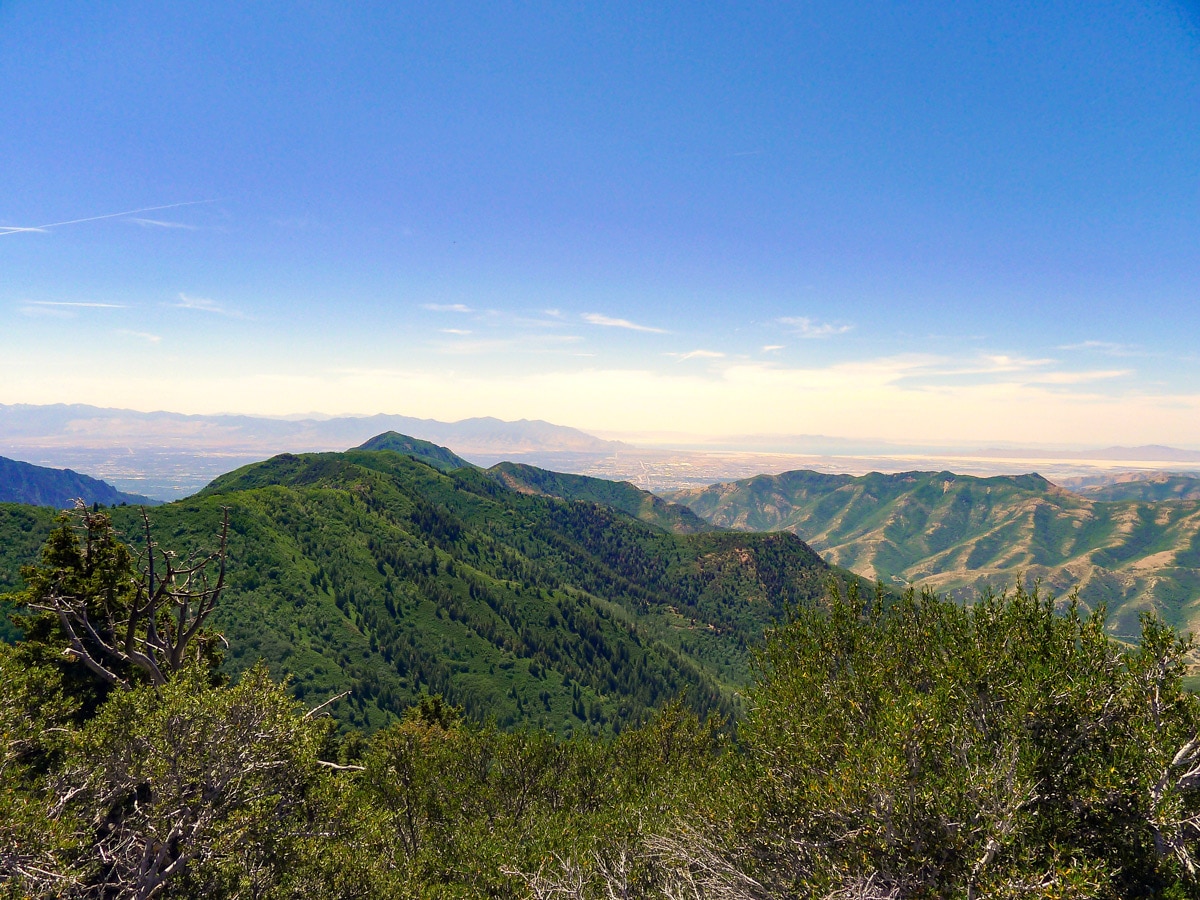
x=119, y=614
x=680, y=864
x=695, y=867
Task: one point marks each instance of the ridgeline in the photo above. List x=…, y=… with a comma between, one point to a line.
x=1133, y=547
x=22, y=482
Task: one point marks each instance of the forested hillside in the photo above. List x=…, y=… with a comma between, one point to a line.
x=375, y=572
x=961, y=534
x=618, y=494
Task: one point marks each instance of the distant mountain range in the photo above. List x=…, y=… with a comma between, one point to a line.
x=93, y=426
x=1133, y=546
x=21, y=482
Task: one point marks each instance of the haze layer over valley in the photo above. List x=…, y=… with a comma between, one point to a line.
x=169, y=455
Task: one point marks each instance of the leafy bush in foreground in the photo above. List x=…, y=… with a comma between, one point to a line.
x=1000, y=749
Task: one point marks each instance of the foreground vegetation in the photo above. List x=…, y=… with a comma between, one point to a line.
x=888, y=750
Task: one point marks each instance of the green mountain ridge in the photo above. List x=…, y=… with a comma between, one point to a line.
x=382, y=574
x=959, y=534
x=620, y=495
x=1147, y=487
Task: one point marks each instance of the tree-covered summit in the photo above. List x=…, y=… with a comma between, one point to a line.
x=427, y=451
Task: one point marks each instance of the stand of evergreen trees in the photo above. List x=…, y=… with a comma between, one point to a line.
x=917, y=749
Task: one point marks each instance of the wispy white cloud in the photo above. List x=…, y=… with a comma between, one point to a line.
x=476, y=347
x=526, y=343
x=1078, y=377
x=15, y=229
x=77, y=305
x=532, y=322
x=609, y=322
x=771, y=348
x=62, y=309
x=143, y=335
x=697, y=354
x=927, y=372
x=447, y=307
x=983, y=364
x=456, y=331
x=159, y=223
x=1109, y=348
x=204, y=304
x=1002, y=362
x=811, y=328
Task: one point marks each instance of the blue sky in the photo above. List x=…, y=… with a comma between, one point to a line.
x=956, y=222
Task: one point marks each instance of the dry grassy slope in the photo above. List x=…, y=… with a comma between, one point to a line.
x=959, y=533
x=1139, y=486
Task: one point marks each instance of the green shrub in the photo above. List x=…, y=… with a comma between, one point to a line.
x=929, y=749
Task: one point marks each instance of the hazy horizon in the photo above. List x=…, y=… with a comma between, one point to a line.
x=167, y=455
x=748, y=444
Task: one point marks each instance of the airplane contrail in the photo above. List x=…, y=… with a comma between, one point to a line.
x=16, y=229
